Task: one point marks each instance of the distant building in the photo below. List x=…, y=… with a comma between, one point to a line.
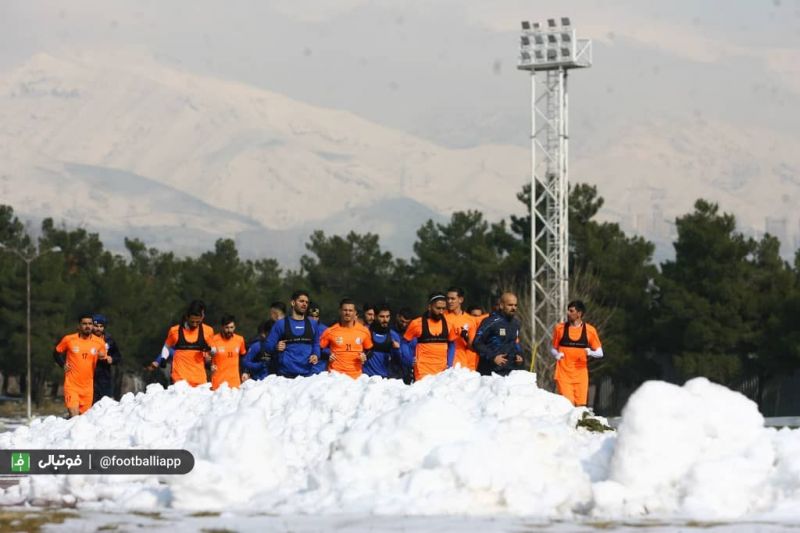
x=777, y=227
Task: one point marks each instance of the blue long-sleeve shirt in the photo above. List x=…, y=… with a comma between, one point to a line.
x=384, y=363
x=293, y=361
x=253, y=362
x=324, y=353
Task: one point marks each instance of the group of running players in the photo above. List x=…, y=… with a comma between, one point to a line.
x=375, y=342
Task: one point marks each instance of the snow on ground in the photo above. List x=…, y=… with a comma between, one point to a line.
x=453, y=444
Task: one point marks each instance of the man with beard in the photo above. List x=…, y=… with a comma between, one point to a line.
x=367, y=315
x=348, y=341
x=497, y=339
x=103, y=376
x=78, y=355
x=295, y=338
x=434, y=350
x=226, y=348
x=384, y=358
x=187, y=343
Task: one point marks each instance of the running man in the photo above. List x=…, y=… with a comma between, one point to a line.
x=497, y=339
x=188, y=342
x=103, y=375
x=295, y=338
x=384, y=358
x=78, y=355
x=434, y=350
x=226, y=349
x=348, y=341
x=573, y=342
x=464, y=356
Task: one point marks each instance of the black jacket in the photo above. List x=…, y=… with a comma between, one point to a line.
x=497, y=334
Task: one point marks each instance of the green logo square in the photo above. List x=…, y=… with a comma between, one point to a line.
x=20, y=462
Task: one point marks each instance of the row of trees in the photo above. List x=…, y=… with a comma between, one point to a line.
x=722, y=308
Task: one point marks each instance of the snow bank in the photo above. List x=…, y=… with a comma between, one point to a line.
x=456, y=443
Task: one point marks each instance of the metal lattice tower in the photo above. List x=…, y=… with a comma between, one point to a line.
x=552, y=51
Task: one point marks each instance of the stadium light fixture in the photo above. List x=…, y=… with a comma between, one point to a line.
x=551, y=50
x=28, y=259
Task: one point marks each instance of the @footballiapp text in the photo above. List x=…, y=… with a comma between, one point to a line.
x=136, y=462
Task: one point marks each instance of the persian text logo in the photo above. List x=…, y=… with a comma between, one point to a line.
x=20, y=462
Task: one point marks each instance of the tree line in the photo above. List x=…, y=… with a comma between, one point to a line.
x=722, y=308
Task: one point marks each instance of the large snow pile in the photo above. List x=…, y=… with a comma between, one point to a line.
x=456, y=443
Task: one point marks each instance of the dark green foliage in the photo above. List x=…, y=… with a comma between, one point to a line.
x=468, y=252
x=725, y=303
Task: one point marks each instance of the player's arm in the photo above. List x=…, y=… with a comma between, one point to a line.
x=115, y=356
x=395, y=352
x=451, y=353
x=315, y=347
x=166, y=350
x=274, y=337
x=408, y=346
x=595, y=349
x=60, y=358
x=60, y=353
x=324, y=344
x=251, y=359
x=555, y=349
x=479, y=343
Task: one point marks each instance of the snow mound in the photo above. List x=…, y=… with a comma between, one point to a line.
x=453, y=444
x=697, y=451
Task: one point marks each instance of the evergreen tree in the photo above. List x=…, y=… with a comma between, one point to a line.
x=705, y=317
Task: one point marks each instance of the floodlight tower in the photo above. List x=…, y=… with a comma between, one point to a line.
x=551, y=50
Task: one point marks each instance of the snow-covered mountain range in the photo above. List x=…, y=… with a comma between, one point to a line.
x=142, y=149
x=128, y=146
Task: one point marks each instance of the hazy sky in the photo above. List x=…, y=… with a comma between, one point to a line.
x=445, y=69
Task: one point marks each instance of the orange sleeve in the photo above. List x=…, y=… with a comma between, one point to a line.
x=454, y=333
x=62, y=347
x=101, y=343
x=172, y=336
x=324, y=340
x=242, y=347
x=558, y=332
x=208, y=331
x=593, y=337
x=413, y=330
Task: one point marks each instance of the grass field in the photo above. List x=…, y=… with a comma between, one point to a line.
x=18, y=408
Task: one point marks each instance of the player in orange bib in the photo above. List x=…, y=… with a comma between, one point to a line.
x=189, y=340
x=465, y=325
x=78, y=354
x=226, y=349
x=573, y=342
x=347, y=340
x=434, y=351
